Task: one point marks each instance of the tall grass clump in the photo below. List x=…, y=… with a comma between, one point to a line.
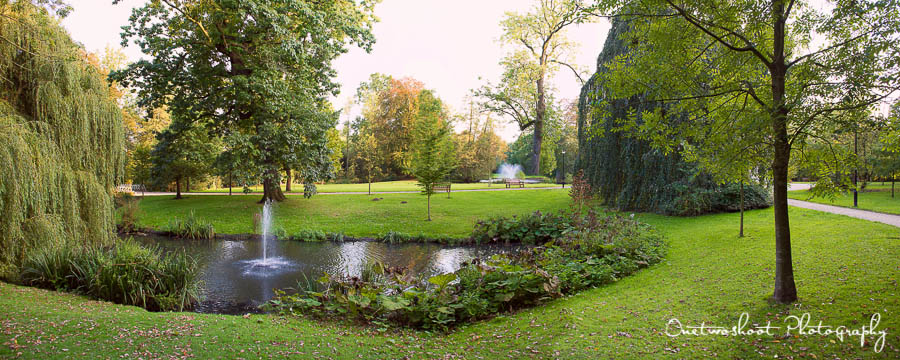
x=126, y=273
x=191, y=227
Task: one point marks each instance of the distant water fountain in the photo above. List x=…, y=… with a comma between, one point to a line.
x=509, y=171
x=265, y=266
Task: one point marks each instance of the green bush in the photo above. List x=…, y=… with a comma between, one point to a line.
x=394, y=237
x=594, y=251
x=310, y=235
x=191, y=227
x=692, y=201
x=126, y=273
x=535, y=228
x=129, y=213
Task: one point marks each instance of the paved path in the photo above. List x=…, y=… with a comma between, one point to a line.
x=883, y=218
x=239, y=192
x=855, y=213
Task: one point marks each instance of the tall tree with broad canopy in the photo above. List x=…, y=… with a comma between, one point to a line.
x=755, y=66
x=541, y=48
x=257, y=67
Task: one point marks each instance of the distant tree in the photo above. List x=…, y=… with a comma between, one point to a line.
x=479, y=149
x=886, y=164
x=433, y=155
x=542, y=48
x=368, y=158
x=258, y=67
x=389, y=108
x=182, y=152
x=336, y=144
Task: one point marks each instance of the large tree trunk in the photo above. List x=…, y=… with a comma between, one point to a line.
x=785, y=288
x=287, y=184
x=272, y=187
x=741, y=234
x=538, y=138
x=178, y=188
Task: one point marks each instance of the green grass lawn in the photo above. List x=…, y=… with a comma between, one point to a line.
x=357, y=215
x=874, y=197
x=402, y=185
x=846, y=270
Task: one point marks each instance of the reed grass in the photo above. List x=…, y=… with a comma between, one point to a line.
x=126, y=273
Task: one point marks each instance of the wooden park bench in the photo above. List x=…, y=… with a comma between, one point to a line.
x=514, y=182
x=442, y=188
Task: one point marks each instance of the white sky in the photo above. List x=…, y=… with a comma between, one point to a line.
x=447, y=45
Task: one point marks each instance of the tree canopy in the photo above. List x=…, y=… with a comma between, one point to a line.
x=752, y=66
x=61, y=138
x=261, y=68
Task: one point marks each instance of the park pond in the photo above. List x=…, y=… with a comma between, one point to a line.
x=233, y=285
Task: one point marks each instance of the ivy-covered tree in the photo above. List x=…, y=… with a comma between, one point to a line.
x=433, y=155
x=258, y=67
x=751, y=64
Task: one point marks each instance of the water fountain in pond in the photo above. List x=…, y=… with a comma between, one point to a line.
x=265, y=265
x=509, y=171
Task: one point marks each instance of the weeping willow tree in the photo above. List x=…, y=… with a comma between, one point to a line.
x=61, y=139
x=630, y=173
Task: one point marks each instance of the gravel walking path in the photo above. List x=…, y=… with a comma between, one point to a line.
x=889, y=219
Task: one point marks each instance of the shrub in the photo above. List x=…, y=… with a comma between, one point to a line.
x=123, y=198
x=535, y=228
x=191, y=227
x=129, y=213
x=126, y=273
x=393, y=237
x=594, y=251
x=310, y=235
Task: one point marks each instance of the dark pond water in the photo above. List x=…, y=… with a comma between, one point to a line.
x=234, y=283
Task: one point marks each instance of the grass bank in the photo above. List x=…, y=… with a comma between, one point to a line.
x=384, y=186
x=846, y=270
x=356, y=215
x=875, y=197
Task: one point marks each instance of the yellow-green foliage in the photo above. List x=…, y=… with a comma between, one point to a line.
x=61, y=140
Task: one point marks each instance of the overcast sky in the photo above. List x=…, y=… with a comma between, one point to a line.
x=447, y=45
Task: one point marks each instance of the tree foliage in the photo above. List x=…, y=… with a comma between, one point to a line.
x=479, y=149
x=61, y=139
x=540, y=49
x=752, y=66
x=433, y=155
x=390, y=108
x=182, y=153
x=261, y=68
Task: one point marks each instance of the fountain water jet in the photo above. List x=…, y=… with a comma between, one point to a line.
x=265, y=266
x=509, y=171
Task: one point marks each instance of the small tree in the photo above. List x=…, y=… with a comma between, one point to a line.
x=181, y=153
x=367, y=152
x=433, y=155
